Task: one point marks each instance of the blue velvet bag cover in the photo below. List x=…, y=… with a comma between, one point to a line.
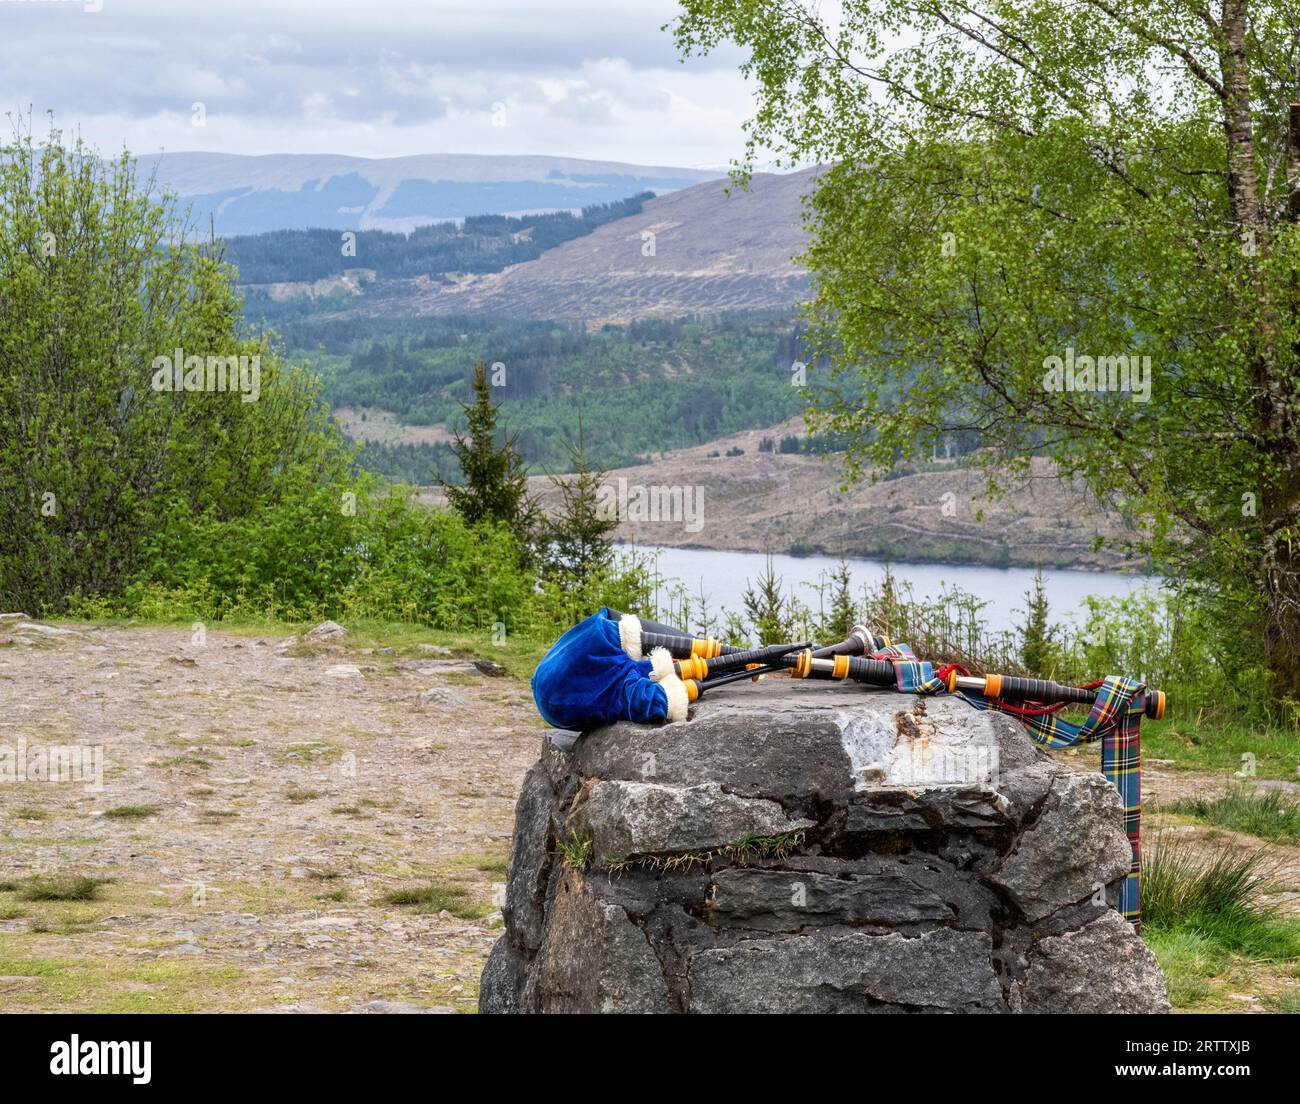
x=587, y=679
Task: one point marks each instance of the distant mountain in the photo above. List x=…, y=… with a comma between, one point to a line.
x=699, y=250
x=252, y=195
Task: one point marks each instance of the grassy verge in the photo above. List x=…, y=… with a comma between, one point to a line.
x=1203, y=918
x=1224, y=747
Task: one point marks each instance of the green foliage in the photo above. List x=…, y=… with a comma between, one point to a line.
x=417, y=464
x=95, y=283
x=335, y=550
x=495, y=483
x=841, y=608
x=132, y=812
x=575, y=850
x=639, y=389
x=992, y=165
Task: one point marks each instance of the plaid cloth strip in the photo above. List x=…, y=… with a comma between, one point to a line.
x=1115, y=719
x=914, y=676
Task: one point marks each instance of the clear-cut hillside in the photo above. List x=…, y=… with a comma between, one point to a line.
x=760, y=501
x=711, y=252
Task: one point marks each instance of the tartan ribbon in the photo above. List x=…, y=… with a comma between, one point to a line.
x=912, y=675
x=1114, y=719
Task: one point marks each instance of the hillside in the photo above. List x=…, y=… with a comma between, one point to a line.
x=252, y=195
x=712, y=252
x=792, y=502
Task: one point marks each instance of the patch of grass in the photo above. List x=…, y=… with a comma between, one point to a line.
x=59, y=887
x=576, y=850
x=347, y=810
x=310, y=751
x=1182, y=886
x=206, y=743
x=1288, y=1002
x=436, y=897
x=116, y=985
x=1203, y=915
x=1221, y=745
x=216, y=816
x=323, y=874
x=298, y=795
x=31, y=812
x=131, y=812
x=1266, y=814
x=184, y=761
x=335, y=895
x=12, y=912
x=1190, y=961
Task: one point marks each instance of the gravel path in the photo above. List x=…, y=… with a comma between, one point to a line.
x=282, y=790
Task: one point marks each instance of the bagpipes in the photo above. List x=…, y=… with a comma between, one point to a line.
x=614, y=666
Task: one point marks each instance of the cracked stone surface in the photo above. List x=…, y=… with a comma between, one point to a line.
x=930, y=859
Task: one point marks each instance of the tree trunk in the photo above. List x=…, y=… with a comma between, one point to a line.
x=1278, y=460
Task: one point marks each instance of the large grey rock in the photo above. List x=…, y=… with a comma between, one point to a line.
x=626, y=819
x=939, y=970
x=595, y=958
x=1074, y=850
x=1097, y=968
x=328, y=630
x=797, y=848
x=790, y=900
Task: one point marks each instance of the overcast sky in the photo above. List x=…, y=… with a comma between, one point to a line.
x=374, y=78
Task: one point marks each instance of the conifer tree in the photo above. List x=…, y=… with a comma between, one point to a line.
x=496, y=480
x=1037, y=636
x=578, y=546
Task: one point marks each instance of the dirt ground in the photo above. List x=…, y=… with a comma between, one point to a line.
x=262, y=798
x=279, y=796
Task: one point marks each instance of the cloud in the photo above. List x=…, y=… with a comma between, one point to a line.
x=381, y=78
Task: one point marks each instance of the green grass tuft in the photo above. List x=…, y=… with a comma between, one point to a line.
x=576, y=850
x=435, y=897
x=1268, y=815
x=59, y=887
x=132, y=812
